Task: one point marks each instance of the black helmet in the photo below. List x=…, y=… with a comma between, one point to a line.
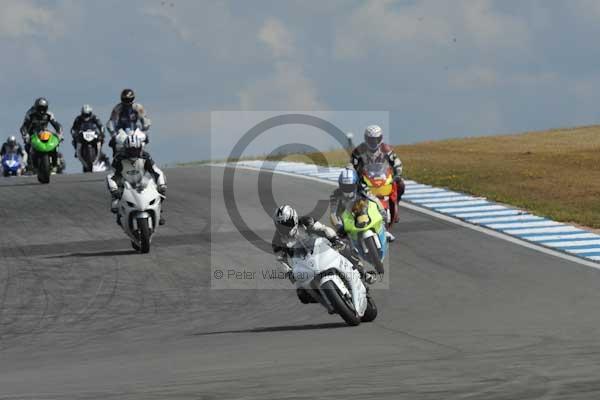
x=41, y=105
x=11, y=141
x=127, y=96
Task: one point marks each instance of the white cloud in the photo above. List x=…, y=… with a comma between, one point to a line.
x=274, y=34
x=265, y=44
x=411, y=30
x=25, y=18
x=374, y=24
x=488, y=28
x=207, y=25
x=586, y=9
x=287, y=89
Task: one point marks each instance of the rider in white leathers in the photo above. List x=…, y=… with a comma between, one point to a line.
x=289, y=227
x=133, y=158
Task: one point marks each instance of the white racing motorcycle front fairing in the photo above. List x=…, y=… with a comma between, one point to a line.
x=89, y=135
x=140, y=201
x=308, y=274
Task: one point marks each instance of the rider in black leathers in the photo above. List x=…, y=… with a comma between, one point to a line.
x=37, y=119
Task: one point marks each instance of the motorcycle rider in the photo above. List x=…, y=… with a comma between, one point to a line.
x=127, y=114
x=133, y=151
x=373, y=150
x=289, y=228
x=86, y=120
x=349, y=191
x=11, y=146
x=37, y=119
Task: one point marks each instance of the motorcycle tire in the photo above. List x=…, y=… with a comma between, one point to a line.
x=43, y=168
x=88, y=155
x=373, y=255
x=144, y=230
x=339, y=304
x=370, y=312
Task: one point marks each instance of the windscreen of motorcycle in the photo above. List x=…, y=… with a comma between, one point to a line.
x=378, y=171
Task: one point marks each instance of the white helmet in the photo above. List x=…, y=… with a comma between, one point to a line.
x=86, y=111
x=348, y=182
x=134, y=145
x=286, y=221
x=373, y=137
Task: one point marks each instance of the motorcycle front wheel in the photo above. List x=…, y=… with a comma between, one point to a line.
x=373, y=254
x=370, y=312
x=144, y=230
x=88, y=155
x=339, y=304
x=43, y=168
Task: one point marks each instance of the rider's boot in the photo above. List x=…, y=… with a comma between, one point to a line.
x=369, y=277
x=396, y=212
x=114, y=204
x=390, y=237
x=162, y=189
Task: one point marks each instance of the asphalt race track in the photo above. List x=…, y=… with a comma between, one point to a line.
x=467, y=316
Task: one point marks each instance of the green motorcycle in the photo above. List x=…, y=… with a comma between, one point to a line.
x=44, y=155
x=365, y=227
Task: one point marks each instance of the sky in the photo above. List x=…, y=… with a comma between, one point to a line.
x=440, y=68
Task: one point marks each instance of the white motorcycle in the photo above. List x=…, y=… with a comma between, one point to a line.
x=140, y=206
x=330, y=279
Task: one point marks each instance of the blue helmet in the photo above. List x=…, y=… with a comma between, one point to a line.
x=348, y=182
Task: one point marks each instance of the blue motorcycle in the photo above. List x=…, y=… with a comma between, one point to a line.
x=12, y=165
